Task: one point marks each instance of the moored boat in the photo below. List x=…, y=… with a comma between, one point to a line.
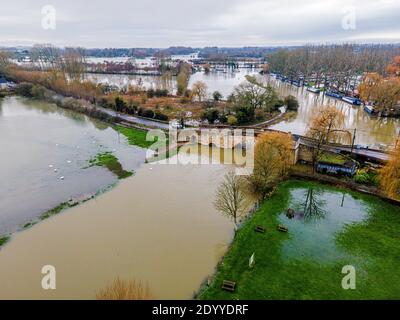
x=334, y=95
x=352, y=100
x=370, y=109
x=313, y=90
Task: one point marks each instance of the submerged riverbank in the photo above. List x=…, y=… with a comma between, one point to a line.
x=48, y=164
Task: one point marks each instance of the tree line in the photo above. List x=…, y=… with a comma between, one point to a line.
x=337, y=67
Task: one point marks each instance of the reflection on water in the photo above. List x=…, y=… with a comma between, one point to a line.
x=313, y=206
x=144, y=81
x=41, y=143
x=224, y=82
x=325, y=214
x=159, y=226
x=371, y=131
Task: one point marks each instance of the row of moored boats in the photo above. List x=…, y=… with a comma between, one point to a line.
x=336, y=95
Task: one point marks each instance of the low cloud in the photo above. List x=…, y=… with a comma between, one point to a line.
x=123, y=23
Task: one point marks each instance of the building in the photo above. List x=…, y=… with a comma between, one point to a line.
x=5, y=84
x=348, y=168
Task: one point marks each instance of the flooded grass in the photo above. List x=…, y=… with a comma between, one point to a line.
x=306, y=263
x=4, y=240
x=109, y=161
x=54, y=211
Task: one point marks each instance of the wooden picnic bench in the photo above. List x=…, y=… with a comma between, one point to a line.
x=260, y=229
x=228, y=285
x=282, y=228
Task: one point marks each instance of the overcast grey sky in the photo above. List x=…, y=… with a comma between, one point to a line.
x=163, y=23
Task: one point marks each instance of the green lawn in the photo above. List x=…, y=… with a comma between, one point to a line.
x=306, y=263
x=135, y=136
x=334, y=158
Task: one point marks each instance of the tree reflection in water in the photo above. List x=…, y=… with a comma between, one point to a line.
x=313, y=207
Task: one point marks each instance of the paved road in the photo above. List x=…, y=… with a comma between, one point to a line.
x=135, y=120
x=376, y=155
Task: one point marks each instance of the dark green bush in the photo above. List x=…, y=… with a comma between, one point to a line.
x=160, y=116
x=24, y=89
x=291, y=103
x=146, y=113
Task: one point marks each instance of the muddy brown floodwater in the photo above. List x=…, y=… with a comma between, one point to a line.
x=158, y=226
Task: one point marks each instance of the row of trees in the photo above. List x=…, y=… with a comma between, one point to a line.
x=336, y=66
x=70, y=61
x=383, y=92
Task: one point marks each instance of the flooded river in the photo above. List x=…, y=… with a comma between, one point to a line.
x=158, y=226
x=371, y=131
x=45, y=154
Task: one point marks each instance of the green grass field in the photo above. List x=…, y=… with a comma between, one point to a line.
x=306, y=263
x=135, y=136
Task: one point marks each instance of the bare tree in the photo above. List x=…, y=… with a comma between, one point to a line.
x=326, y=126
x=46, y=56
x=231, y=199
x=72, y=63
x=4, y=61
x=199, y=90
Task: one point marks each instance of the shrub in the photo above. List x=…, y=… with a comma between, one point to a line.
x=223, y=118
x=211, y=115
x=39, y=92
x=161, y=93
x=367, y=177
x=125, y=290
x=147, y=113
x=120, y=104
x=133, y=107
x=291, y=103
x=160, y=116
x=278, y=104
x=217, y=96
x=232, y=120
x=150, y=93
x=259, y=114
x=24, y=89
